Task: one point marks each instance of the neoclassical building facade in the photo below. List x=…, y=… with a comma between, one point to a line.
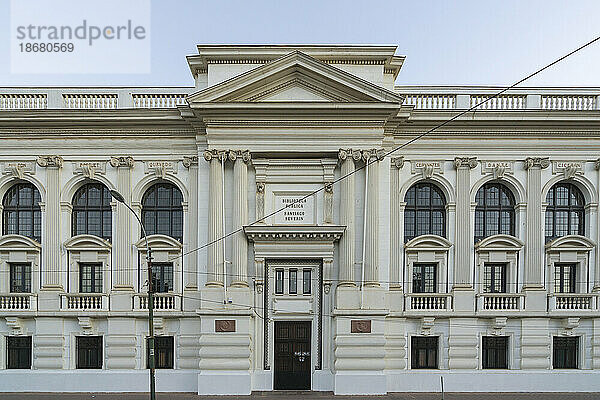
x=291, y=249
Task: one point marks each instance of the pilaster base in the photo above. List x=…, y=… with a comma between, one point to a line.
x=373, y=298
x=191, y=299
x=347, y=298
x=212, y=298
x=49, y=300
x=535, y=299
x=121, y=300
x=395, y=300
x=463, y=299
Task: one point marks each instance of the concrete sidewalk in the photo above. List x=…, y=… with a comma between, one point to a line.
x=293, y=395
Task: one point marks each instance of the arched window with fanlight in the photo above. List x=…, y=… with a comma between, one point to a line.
x=425, y=211
x=21, y=211
x=495, y=211
x=162, y=210
x=92, y=212
x=565, y=211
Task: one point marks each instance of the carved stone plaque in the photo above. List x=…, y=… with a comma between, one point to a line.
x=225, y=325
x=360, y=326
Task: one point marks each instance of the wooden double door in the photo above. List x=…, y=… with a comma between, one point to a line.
x=292, y=366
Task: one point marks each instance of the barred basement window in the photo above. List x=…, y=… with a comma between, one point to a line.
x=424, y=278
x=425, y=211
x=424, y=350
x=565, y=211
x=162, y=211
x=18, y=351
x=494, y=278
x=90, y=277
x=566, y=350
x=89, y=352
x=164, y=351
x=92, y=212
x=162, y=277
x=495, y=211
x=495, y=350
x=565, y=276
x=20, y=278
x=22, y=214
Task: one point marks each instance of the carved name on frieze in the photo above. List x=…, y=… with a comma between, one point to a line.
x=568, y=168
x=89, y=168
x=426, y=168
x=160, y=168
x=225, y=325
x=18, y=168
x=498, y=168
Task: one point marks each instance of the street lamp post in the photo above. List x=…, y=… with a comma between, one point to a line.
x=118, y=197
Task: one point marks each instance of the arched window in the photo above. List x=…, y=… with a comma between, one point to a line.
x=425, y=211
x=22, y=214
x=565, y=211
x=495, y=211
x=92, y=213
x=162, y=212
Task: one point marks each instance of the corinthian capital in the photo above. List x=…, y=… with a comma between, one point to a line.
x=50, y=161
x=216, y=154
x=541, y=162
x=121, y=162
x=465, y=162
x=188, y=161
x=398, y=162
x=344, y=154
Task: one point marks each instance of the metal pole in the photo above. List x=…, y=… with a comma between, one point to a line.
x=119, y=197
x=151, y=326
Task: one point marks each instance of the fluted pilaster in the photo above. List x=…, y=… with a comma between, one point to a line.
x=347, y=195
x=215, y=264
x=463, y=236
x=534, y=244
x=395, y=223
x=51, y=264
x=123, y=269
x=191, y=278
x=240, y=217
x=371, y=238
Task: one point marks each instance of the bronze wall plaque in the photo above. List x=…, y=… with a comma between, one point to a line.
x=225, y=325
x=360, y=326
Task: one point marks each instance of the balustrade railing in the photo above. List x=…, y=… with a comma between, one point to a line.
x=569, y=102
x=84, y=301
x=17, y=101
x=428, y=301
x=572, y=301
x=431, y=101
x=500, y=301
x=17, y=301
x=162, y=301
x=83, y=100
x=158, y=100
x=502, y=102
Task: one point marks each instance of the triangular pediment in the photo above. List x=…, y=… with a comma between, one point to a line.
x=295, y=77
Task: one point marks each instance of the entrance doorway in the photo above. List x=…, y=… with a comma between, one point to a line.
x=292, y=355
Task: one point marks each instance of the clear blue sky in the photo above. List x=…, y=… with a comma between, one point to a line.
x=446, y=42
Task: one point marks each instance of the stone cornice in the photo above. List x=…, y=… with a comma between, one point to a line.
x=294, y=233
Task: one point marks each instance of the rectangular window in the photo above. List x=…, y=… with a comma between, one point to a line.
x=306, y=281
x=494, y=278
x=164, y=350
x=279, y=281
x=293, y=281
x=424, y=350
x=90, y=277
x=495, y=350
x=162, y=277
x=424, y=278
x=566, y=350
x=20, y=278
x=565, y=278
x=89, y=352
x=18, y=351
